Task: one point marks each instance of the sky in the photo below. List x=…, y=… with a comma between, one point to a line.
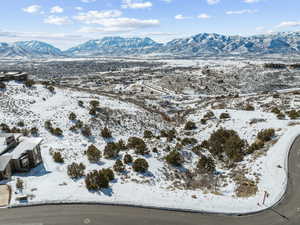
x=65, y=23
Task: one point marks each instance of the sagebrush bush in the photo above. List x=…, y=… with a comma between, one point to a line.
x=29, y=83
x=249, y=107
x=20, y=184
x=94, y=103
x=188, y=141
x=227, y=142
x=140, y=165
x=93, y=154
x=57, y=157
x=224, y=116
x=293, y=114
x=76, y=170
x=96, y=180
x=255, y=146
x=119, y=166
x=86, y=131
x=209, y=115
x=72, y=116
x=34, y=131
x=106, y=133
x=266, y=135
x=127, y=159
x=174, y=158
x=190, y=126
x=138, y=145
x=111, y=151
x=206, y=165
x=169, y=134
x=148, y=134
x=109, y=173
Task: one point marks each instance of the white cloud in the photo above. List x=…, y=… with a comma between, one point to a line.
x=181, y=17
x=204, y=16
x=120, y=25
x=32, y=9
x=213, y=2
x=91, y=17
x=251, y=1
x=78, y=8
x=134, y=4
x=57, y=20
x=240, y=12
x=288, y=24
x=260, y=28
x=87, y=1
x=167, y=1
x=56, y=9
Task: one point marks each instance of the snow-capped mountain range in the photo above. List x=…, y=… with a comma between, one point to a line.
x=198, y=45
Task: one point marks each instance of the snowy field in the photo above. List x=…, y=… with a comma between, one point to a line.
x=50, y=183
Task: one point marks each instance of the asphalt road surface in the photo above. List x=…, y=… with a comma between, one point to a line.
x=286, y=212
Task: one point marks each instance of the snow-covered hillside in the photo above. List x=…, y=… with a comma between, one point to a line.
x=50, y=183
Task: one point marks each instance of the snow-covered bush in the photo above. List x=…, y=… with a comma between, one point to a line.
x=76, y=170
x=174, y=158
x=190, y=126
x=206, y=165
x=96, y=180
x=57, y=157
x=138, y=145
x=119, y=166
x=127, y=159
x=111, y=151
x=140, y=165
x=106, y=133
x=93, y=154
x=266, y=135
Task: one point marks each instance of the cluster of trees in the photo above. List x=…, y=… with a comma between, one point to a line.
x=278, y=113
x=76, y=170
x=57, y=157
x=55, y=131
x=138, y=144
x=98, y=179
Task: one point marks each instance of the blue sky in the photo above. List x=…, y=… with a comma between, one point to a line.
x=65, y=23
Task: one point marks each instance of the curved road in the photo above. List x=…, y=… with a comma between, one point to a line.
x=286, y=212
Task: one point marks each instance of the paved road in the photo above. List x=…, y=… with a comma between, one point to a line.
x=287, y=212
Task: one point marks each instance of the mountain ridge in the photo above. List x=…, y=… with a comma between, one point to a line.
x=197, y=45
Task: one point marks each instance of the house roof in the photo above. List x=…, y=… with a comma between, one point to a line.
x=4, y=160
x=25, y=145
x=3, y=136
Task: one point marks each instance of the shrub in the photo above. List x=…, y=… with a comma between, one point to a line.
x=56, y=131
x=206, y=165
x=86, y=131
x=34, y=131
x=5, y=128
x=293, y=114
x=127, y=159
x=169, y=134
x=280, y=116
x=140, y=165
x=79, y=124
x=72, y=116
x=109, y=173
x=48, y=124
x=190, y=126
x=224, y=116
x=94, y=103
x=21, y=124
x=57, y=157
x=50, y=88
x=255, y=146
x=209, y=115
x=96, y=180
x=121, y=145
x=93, y=112
x=105, y=133
x=189, y=141
x=138, y=145
x=228, y=142
x=2, y=85
x=275, y=110
x=119, y=166
x=205, y=144
x=266, y=135
x=111, y=151
x=93, y=153
x=174, y=158
x=203, y=121
x=197, y=149
x=76, y=170
x=249, y=107
x=20, y=184
x=148, y=134
x=29, y=83
x=80, y=103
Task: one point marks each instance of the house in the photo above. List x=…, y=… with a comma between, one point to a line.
x=8, y=141
x=5, y=167
x=22, y=154
x=26, y=155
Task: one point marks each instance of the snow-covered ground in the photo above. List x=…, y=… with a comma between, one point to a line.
x=50, y=183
